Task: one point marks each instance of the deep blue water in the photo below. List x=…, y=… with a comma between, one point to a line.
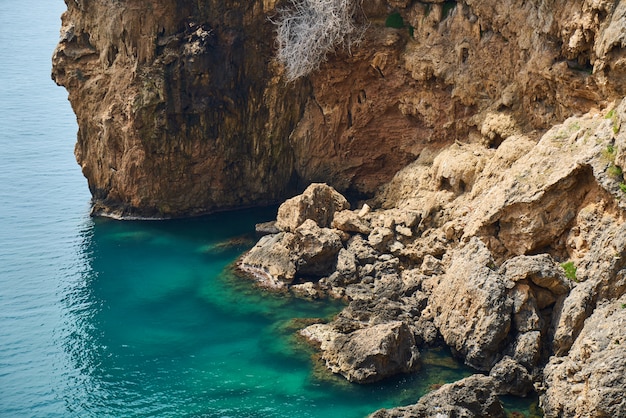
x=100, y=318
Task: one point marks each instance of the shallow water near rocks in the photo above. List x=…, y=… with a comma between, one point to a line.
x=158, y=326
x=100, y=318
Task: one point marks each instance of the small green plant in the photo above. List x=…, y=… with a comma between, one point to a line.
x=623, y=305
x=622, y=187
x=613, y=116
x=570, y=271
x=615, y=171
x=395, y=21
x=609, y=155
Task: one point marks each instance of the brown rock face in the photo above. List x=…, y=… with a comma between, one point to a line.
x=178, y=108
x=182, y=109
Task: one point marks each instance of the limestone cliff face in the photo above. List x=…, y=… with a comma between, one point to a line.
x=182, y=109
x=178, y=107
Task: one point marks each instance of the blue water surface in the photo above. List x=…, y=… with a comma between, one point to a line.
x=101, y=318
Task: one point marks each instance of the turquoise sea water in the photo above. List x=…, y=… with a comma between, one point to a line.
x=100, y=318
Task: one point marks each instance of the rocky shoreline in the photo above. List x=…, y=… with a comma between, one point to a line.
x=498, y=222
x=514, y=257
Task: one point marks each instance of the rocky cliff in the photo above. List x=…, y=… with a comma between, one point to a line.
x=183, y=110
x=513, y=257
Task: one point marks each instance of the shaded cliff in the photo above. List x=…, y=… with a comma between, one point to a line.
x=182, y=109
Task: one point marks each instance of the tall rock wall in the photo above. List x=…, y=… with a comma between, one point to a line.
x=182, y=109
x=178, y=107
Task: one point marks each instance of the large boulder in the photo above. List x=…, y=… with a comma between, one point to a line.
x=277, y=259
x=314, y=249
x=318, y=202
x=591, y=380
x=474, y=396
x=270, y=261
x=368, y=354
x=511, y=378
x=471, y=306
x=351, y=221
x=541, y=270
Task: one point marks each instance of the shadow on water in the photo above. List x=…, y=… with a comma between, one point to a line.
x=158, y=326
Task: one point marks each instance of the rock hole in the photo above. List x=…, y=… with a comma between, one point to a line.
x=111, y=54
x=444, y=184
x=462, y=186
x=464, y=54
x=448, y=9
x=83, y=40
x=361, y=97
x=496, y=141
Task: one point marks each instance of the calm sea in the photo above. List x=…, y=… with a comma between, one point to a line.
x=100, y=318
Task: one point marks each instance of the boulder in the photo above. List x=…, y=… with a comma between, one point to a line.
x=474, y=396
x=540, y=269
x=350, y=221
x=346, y=269
x=314, y=249
x=318, y=202
x=368, y=354
x=362, y=250
x=511, y=378
x=526, y=348
x=380, y=237
x=270, y=261
x=471, y=306
x=266, y=228
x=525, y=312
x=591, y=380
x=276, y=259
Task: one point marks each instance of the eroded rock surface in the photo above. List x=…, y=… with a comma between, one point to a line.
x=590, y=380
x=504, y=236
x=368, y=354
x=182, y=109
x=472, y=397
x=504, y=262
x=471, y=306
